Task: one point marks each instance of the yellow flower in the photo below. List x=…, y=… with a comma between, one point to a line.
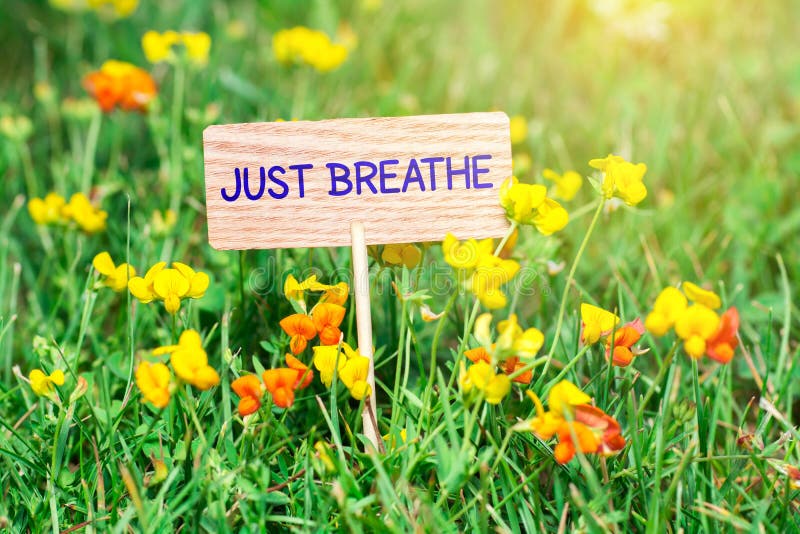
x=158, y=47
x=563, y=398
x=120, y=8
x=47, y=210
x=702, y=296
x=198, y=46
x=43, y=384
x=116, y=276
x=170, y=285
x=326, y=357
x=528, y=204
x=90, y=219
x=669, y=305
x=464, y=255
x=153, y=380
x=336, y=294
x=518, y=126
x=198, y=282
x=482, y=328
x=521, y=200
x=294, y=290
x=596, y=323
x=190, y=361
x=528, y=344
x=482, y=377
x=354, y=375
x=696, y=325
x=567, y=184
x=163, y=222
x=401, y=254
x=622, y=178
x=489, y=276
x=301, y=45
x=142, y=288
x=551, y=217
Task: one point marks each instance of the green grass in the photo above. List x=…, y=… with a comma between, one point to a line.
x=713, y=110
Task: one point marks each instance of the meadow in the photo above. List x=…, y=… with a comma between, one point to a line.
x=624, y=361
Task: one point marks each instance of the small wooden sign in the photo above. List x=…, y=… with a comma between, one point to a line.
x=406, y=179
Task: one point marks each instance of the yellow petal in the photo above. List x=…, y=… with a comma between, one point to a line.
x=497, y=388
x=701, y=296
x=103, y=264
x=199, y=285
x=550, y=217
x=170, y=283
x=564, y=395
x=141, y=289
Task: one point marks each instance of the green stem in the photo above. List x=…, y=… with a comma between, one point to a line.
x=570, y=277
x=89, y=151
x=28, y=169
x=176, y=145
x=398, y=368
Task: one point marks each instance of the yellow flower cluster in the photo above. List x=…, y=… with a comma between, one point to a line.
x=702, y=330
x=54, y=209
x=529, y=204
x=189, y=362
x=158, y=47
x=482, y=272
x=621, y=178
x=301, y=45
x=352, y=368
x=170, y=285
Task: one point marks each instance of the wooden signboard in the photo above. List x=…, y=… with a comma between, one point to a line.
x=354, y=182
x=407, y=179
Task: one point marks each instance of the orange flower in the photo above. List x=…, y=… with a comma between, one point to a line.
x=595, y=430
x=122, y=84
x=327, y=318
x=478, y=355
x=249, y=390
x=304, y=374
x=281, y=384
x=301, y=329
x=721, y=345
x=624, y=338
x=513, y=364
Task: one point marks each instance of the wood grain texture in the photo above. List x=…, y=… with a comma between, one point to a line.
x=319, y=219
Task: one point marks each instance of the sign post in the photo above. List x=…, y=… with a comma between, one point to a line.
x=386, y=180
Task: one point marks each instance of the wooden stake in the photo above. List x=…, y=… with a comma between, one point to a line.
x=364, y=325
